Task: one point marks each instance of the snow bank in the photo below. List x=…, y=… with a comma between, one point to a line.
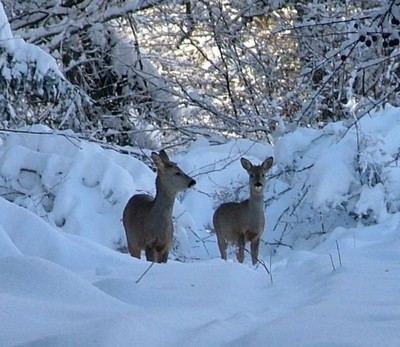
x=322, y=179
x=332, y=238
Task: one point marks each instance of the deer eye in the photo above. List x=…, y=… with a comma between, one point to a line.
x=178, y=173
x=251, y=175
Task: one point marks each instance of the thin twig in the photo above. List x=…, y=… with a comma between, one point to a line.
x=262, y=263
x=339, y=255
x=333, y=265
x=144, y=273
x=201, y=240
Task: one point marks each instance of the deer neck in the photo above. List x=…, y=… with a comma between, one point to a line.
x=256, y=203
x=163, y=203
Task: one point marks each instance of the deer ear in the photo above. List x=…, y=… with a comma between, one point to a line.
x=164, y=155
x=246, y=164
x=267, y=163
x=158, y=160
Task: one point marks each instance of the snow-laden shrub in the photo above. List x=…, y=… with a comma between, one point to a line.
x=32, y=88
x=341, y=175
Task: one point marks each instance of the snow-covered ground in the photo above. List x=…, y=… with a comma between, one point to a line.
x=332, y=244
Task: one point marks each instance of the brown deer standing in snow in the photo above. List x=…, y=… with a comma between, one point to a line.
x=238, y=223
x=147, y=220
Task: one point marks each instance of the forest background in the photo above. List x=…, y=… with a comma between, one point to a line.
x=155, y=74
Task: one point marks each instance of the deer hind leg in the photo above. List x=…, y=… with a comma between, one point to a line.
x=222, y=246
x=162, y=257
x=135, y=252
x=240, y=248
x=161, y=251
x=150, y=254
x=254, y=250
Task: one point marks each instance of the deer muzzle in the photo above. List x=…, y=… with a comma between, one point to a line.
x=192, y=183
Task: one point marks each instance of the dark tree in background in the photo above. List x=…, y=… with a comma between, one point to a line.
x=92, y=41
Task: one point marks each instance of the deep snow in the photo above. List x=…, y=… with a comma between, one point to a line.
x=332, y=193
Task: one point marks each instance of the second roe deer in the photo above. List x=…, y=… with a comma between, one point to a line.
x=147, y=220
x=238, y=223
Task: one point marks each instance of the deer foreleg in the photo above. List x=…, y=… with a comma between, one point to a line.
x=240, y=251
x=254, y=250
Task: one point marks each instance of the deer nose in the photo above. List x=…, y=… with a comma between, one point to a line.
x=258, y=184
x=192, y=183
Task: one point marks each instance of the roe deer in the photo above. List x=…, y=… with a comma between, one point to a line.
x=147, y=220
x=238, y=223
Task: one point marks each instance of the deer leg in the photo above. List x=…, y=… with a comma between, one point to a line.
x=135, y=252
x=162, y=257
x=254, y=250
x=150, y=254
x=240, y=251
x=222, y=246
